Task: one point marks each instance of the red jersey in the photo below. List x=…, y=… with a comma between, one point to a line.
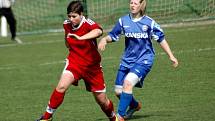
x=82, y=52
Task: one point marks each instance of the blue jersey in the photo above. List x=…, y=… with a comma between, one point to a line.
x=138, y=35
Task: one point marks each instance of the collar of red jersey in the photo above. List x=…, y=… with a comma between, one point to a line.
x=82, y=21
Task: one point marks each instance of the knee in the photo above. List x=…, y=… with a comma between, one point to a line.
x=118, y=90
x=101, y=99
x=103, y=103
x=130, y=81
x=127, y=85
x=61, y=88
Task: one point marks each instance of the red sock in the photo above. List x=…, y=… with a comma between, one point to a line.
x=47, y=115
x=54, y=102
x=108, y=110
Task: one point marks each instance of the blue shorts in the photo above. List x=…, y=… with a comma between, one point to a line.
x=140, y=70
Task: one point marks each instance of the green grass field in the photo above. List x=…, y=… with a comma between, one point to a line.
x=29, y=73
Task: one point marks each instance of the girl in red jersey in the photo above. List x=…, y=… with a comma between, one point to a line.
x=83, y=62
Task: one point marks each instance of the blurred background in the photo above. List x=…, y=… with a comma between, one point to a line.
x=35, y=16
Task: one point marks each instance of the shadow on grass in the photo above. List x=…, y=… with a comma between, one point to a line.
x=151, y=114
x=145, y=116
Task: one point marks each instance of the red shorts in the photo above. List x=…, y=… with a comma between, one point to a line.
x=92, y=76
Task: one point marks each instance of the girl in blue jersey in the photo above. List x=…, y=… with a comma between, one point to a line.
x=138, y=56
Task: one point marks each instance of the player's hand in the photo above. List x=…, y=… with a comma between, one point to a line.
x=174, y=61
x=102, y=44
x=74, y=36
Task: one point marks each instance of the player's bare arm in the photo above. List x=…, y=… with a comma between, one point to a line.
x=103, y=42
x=92, y=34
x=165, y=46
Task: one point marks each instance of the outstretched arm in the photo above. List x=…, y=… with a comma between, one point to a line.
x=165, y=46
x=92, y=34
x=103, y=42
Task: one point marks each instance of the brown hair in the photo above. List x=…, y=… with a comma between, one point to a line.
x=143, y=7
x=75, y=7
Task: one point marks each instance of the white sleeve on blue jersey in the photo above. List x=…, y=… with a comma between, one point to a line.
x=116, y=31
x=157, y=32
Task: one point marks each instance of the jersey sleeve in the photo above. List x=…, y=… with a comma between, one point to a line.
x=116, y=31
x=66, y=27
x=157, y=32
x=93, y=25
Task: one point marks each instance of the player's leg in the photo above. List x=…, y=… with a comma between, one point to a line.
x=57, y=96
x=136, y=77
x=127, y=99
x=122, y=72
x=105, y=104
x=11, y=21
x=94, y=82
x=126, y=95
x=68, y=77
x=133, y=107
x=131, y=80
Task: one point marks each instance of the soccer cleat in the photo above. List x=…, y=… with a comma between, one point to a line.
x=41, y=119
x=119, y=118
x=131, y=111
x=114, y=118
x=19, y=41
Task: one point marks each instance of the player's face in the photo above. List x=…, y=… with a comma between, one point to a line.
x=134, y=6
x=75, y=18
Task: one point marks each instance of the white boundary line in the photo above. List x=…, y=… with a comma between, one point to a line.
x=14, y=66
x=189, y=23
x=30, y=43
x=51, y=63
x=189, y=51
